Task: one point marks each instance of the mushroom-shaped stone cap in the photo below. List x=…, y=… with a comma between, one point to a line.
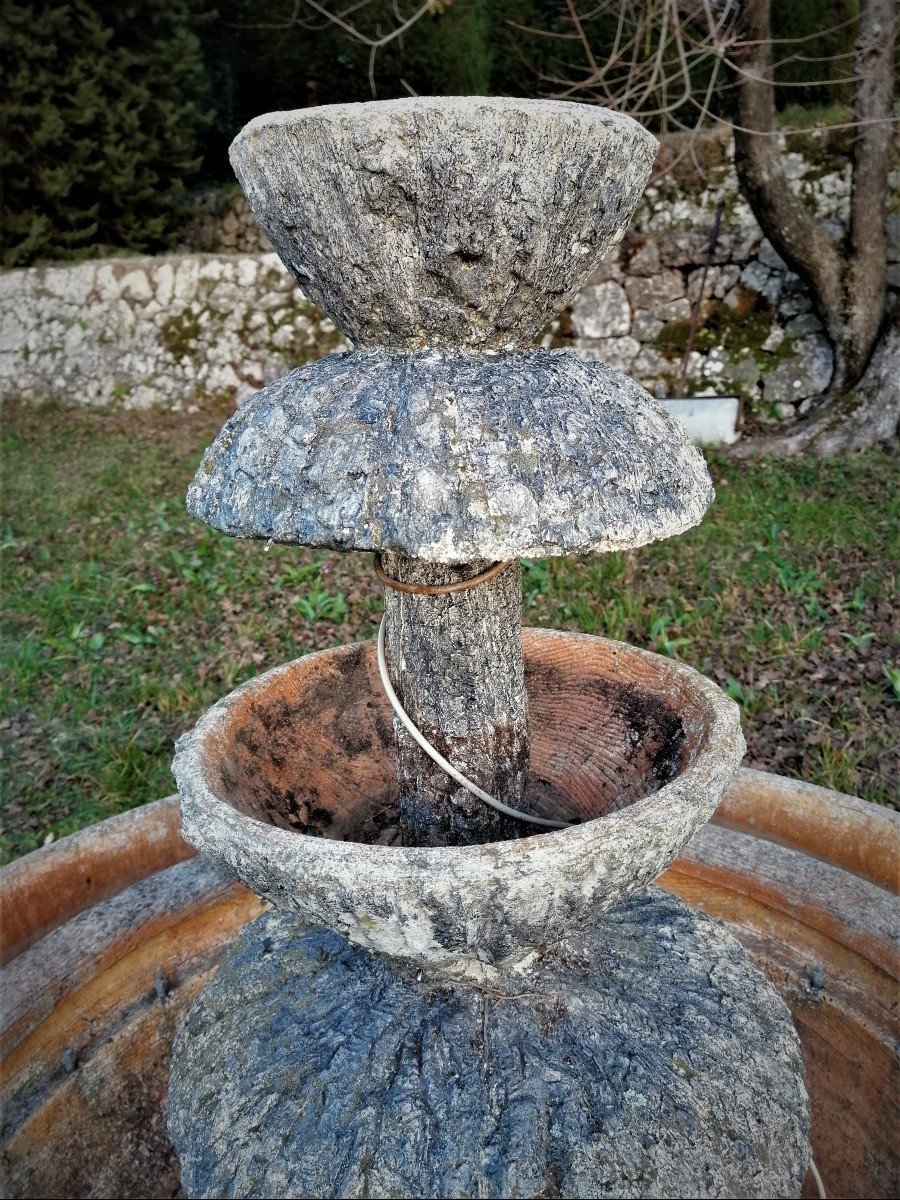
x=449, y=221
x=453, y=457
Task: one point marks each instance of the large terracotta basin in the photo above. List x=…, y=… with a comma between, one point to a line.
x=109, y=934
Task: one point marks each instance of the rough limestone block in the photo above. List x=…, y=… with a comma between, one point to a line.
x=646, y=1057
x=453, y=457
x=450, y=221
x=648, y=291
x=807, y=372
x=618, y=353
x=602, y=312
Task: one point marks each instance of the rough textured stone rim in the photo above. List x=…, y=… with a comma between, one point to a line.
x=360, y=110
x=332, y=883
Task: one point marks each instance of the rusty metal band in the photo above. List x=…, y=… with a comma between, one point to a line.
x=436, y=589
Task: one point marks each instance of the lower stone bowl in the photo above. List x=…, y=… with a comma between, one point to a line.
x=289, y=783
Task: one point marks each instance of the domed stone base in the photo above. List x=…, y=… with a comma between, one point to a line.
x=644, y=1057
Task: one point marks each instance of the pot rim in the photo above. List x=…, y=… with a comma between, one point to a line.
x=366, y=110
x=698, y=786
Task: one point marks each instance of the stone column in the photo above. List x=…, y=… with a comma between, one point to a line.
x=441, y=236
x=455, y=661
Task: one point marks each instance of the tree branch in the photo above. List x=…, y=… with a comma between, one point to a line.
x=802, y=242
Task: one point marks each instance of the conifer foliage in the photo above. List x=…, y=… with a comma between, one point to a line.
x=102, y=112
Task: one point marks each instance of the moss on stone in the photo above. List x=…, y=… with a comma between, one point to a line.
x=180, y=333
x=826, y=151
x=732, y=330
x=306, y=346
x=740, y=334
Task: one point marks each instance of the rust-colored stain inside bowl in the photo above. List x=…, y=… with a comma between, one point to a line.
x=312, y=747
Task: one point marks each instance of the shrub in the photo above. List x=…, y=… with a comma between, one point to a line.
x=102, y=111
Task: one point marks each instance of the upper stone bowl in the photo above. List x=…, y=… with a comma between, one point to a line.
x=450, y=221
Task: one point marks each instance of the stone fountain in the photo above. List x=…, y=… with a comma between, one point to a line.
x=464, y=986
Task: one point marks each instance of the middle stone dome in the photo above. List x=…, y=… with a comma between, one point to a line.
x=453, y=456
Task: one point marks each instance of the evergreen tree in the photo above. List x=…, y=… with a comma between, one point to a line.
x=266, y=55
x=102, y=109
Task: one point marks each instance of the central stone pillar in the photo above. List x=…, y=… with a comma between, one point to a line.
x=455, y=660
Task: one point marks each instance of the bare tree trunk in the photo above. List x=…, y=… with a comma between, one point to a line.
x=455, y=661
x=866, y=271
x=867, y=414
x=803, y=244
x=848, y=290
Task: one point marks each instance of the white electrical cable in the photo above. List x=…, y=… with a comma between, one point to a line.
x=439, y=758
x=820, y=1186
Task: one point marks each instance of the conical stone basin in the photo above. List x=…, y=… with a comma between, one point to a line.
x=634, y=748
x=443, y=221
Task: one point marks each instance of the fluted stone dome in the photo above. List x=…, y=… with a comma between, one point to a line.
x=606, y=1068
x=453, y=456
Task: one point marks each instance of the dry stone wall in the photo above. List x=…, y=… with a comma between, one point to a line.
x=137, y=332
x=171, y=330
x=758, y=336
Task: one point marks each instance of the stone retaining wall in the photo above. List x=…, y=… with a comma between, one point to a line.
x=170, y=330
x=757, y=336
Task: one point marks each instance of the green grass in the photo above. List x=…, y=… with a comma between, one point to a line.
x=124, y=619
x=813, y=116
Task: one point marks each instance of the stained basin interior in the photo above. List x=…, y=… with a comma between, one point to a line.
x=311, y=747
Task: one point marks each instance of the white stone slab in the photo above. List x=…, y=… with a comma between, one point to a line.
x=708, y=420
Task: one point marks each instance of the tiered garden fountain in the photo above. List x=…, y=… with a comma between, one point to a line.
x=461, y=989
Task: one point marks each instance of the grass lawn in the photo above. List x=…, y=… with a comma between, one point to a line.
x=123, y=619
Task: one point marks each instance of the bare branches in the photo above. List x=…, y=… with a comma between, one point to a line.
x=380, y=40
x=339, y=16
x=669, y=62
x=659, y=54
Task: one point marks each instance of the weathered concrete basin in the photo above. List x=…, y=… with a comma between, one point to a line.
x=308, y=749
x=461, y=220
x=123, y=932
